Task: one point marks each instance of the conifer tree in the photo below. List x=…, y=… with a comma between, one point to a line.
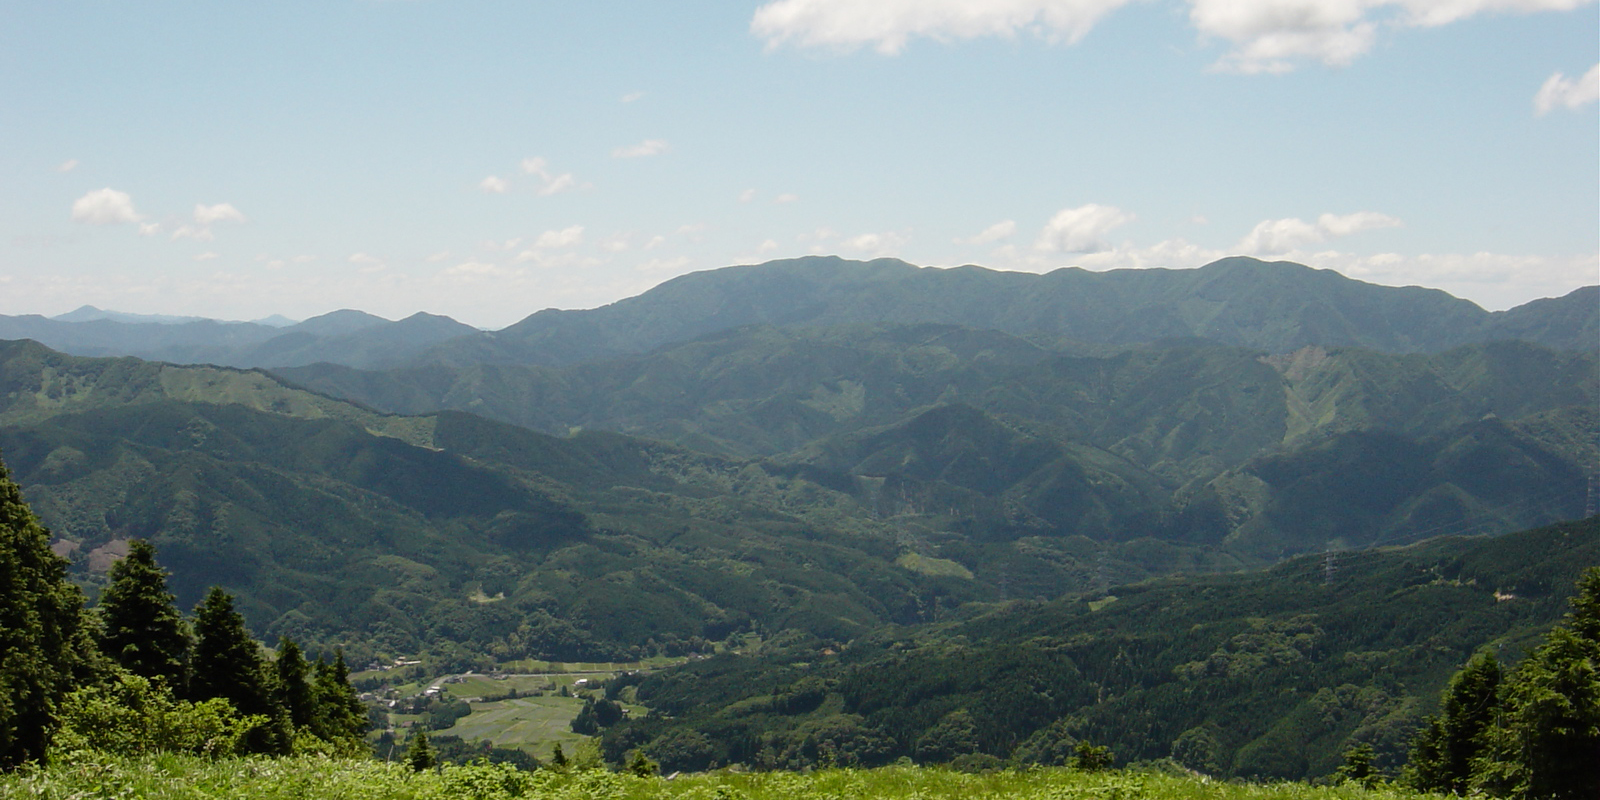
x=1444, y=751
x=419, y=754
x=227, y=663
x=141, y=628
x=339, y=712
x=42, y=632
x=1546, y=743
x=293, y=684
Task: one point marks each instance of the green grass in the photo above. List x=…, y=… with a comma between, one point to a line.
x=313, y=778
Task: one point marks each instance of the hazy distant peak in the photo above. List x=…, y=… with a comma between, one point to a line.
x=345, y=320
x=93, y=314
x=275, y=321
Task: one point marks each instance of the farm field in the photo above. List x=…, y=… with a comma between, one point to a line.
x=531, y=724
x=167, y=776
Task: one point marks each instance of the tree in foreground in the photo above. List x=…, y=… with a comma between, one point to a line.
x=1545, y=743
x=419, y=754
x=141, y=628
x=227, y=663
x=43, y=642
x=1536, y=737
x=293, y=684
x=1443, y=753
x=339, y=714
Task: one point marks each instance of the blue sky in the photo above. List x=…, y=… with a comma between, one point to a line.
x=489, y=159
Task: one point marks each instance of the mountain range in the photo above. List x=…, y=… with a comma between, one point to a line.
x=1277, y=307
x=824, y=452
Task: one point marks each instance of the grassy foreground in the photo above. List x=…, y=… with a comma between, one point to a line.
x=314, y=778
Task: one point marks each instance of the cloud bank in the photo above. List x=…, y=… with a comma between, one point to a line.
x=1265, y=35
x=1278, y=236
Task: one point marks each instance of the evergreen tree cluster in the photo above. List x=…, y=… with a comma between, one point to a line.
x=1531, y=733
x=133, y=675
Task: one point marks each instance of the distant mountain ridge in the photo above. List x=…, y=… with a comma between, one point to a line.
x=353, y=338
x=1273, y=306
x=1276, y=307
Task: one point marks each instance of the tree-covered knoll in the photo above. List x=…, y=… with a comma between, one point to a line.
x=1272, y=674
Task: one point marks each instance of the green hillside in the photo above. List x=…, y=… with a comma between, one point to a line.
x=967, y=466
x=1271, y=674
x=1273, y=306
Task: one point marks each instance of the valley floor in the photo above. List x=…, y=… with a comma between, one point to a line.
x=314, y=778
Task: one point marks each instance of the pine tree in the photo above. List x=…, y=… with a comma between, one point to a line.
x=1547, y=741
x=339, y=713
x=293, y=684
x=1443, y=752
x=1358, y=767
x=141, y=628
x=419, y=754
x=43, y=653
x=227, y=663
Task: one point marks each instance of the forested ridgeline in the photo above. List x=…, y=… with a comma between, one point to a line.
x=1271, y=675
x=1027, y=684
x=133, y=676
x=917, y=469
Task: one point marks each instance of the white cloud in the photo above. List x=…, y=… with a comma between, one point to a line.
x=874, y=245
x=785, y=198
x=655, y=241
x=104, y=207
x=549, y=183
x=221, y=212
x=1494, y=280
x=1561, y=92
x=663, y=264
x=207, y=256
x=1275, y=35
x=476, y=269
x=199, y=234
x=747, y=195
x=1276, y=236
x=303, y=259
x=648, y=147
x=616, y=243
x=1266, y=35
x=494, y=185
x=363, y=258
x=1081, y=229
x=888, y=24
x=993, y=233
x=68, y=165
x=766, y=247
x=566, y=237
x=632, y=96
x=442, y=255
x=149, y=228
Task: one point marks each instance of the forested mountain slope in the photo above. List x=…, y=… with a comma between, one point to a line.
x=1269, y=674
x=1272, y=306
x=336, y=523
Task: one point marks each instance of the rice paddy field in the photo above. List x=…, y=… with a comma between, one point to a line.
x=315, y=778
